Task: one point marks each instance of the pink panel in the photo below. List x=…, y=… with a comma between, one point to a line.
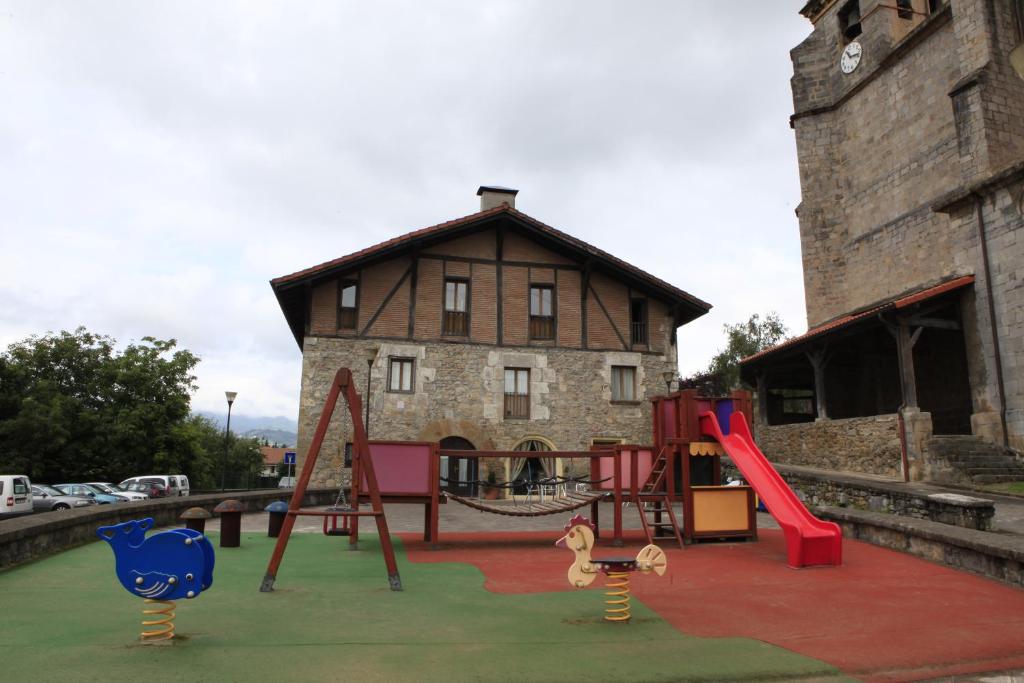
x=401, y=468
x=668, y=419
x=607, y=469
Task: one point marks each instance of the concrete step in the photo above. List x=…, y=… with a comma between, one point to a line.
x=972, y=471
x=968, y=460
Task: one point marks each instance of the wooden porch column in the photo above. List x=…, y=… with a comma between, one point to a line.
x=819, y=361
x=905, y=340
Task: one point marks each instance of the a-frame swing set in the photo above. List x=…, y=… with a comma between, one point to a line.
x=361, y=461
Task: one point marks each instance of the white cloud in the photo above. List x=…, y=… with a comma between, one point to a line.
x=163, y=161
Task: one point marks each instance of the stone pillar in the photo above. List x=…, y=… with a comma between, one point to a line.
x=918, y=428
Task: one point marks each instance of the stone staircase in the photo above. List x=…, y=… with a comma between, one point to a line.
x=969, y=459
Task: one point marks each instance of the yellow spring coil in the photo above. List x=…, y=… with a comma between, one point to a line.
x=617, y=597
x=164, y=624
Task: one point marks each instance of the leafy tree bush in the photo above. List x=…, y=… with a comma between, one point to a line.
x=73, y=408
x=742, y=340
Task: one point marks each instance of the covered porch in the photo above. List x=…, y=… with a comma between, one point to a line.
x=866, y=391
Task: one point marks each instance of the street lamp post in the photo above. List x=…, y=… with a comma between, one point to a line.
x=230, y=395
x=371, y=355
x=668, y=376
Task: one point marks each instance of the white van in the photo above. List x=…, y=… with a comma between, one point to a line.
x=15, y=495
x=176, y=484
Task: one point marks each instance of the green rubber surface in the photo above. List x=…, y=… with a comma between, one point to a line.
x=332, y=617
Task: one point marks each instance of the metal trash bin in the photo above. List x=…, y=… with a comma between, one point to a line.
x=278, y=511
x=230, y=512
x=195, y=519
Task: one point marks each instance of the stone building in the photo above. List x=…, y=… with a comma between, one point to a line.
x=909, y=122
x=490, y=332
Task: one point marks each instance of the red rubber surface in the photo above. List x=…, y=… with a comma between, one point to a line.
x=882, y=616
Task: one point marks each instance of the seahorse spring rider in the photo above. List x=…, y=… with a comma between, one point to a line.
x=161, y=568
x=579, y=538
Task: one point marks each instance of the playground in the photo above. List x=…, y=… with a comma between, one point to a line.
x=475, y=590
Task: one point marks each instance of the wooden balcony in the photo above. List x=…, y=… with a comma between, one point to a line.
x=542, y=327
x=455, y=324
x=517, y=406
x=638, y=333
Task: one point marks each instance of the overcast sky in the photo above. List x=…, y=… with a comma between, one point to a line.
x=160, y=162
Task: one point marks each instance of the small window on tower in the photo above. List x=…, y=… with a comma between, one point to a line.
x=905, y=9
x=849, y=21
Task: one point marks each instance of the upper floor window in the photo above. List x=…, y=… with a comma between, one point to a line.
x=905, y=9
x=348, y=310
x=517, y=392
x=456, y=316
x=849, y=20
x=400, y=375
x=623, y=383
x=638, y=321
x=542, y=312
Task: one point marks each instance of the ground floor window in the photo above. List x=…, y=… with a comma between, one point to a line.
x=623, y=383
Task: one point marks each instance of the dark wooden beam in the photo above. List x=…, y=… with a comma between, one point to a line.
x=413, y=278
x=584, y=286
x=499, y=248
x=936, y=323
x=762, y=397
x=611, y=322
x=387, y=300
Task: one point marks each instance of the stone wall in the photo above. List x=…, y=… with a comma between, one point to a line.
x=45, y=533
x=859, y=444
x=459, y=391
x=933, y=111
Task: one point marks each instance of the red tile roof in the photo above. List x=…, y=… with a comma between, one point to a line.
x=897, y=303
x=441, y=228
x=271, y=455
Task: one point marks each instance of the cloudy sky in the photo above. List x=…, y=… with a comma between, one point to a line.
x=160, y=162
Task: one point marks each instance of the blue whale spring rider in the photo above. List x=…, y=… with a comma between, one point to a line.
x=166, y=566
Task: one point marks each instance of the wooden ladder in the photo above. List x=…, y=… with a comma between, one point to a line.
x=653, y=500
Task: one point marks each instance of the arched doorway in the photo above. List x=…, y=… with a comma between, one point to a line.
x=459, y=475
x=531, y=468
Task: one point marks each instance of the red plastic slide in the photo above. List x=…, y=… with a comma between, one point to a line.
x=809, y=540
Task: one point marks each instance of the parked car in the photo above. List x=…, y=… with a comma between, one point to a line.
x=46, y=498
x=115, y=490
x=90, y=492
x=176, y=484
x=151, y=488
x=15, y=495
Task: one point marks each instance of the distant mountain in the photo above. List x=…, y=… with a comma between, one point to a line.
x=280, y=437
x=266, y=426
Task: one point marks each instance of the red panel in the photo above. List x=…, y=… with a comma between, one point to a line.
x=401, y=468
x=606, y=469
x=668, y=419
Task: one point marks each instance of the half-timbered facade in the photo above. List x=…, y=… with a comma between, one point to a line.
x=493, y=331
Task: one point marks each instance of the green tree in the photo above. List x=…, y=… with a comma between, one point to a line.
x=72, y=407
x=742, y=340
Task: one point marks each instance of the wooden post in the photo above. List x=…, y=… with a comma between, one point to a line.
x=905, y=340
x=819, y=360
x=762, y=398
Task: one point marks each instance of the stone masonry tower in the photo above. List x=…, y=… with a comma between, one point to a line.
x=909, y=122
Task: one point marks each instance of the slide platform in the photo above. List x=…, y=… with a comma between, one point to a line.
x=809, y=540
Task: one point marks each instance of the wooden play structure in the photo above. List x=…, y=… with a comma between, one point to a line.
x=682, y=466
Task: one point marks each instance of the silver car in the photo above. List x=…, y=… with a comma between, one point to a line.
x=46, y=498
x=115, y=490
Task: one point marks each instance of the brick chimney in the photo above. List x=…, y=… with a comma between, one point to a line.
x=495, y=195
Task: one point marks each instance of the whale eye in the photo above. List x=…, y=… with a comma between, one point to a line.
x=138, y=581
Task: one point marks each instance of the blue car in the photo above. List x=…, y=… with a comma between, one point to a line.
x=90, y=492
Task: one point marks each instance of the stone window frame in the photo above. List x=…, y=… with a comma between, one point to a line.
x=464, y=314
x=400, y=360
x=343, y=311
x=518, y=404
x=617, y=369
x=541, y=286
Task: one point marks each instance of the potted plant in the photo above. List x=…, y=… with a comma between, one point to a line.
x=491, y=490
